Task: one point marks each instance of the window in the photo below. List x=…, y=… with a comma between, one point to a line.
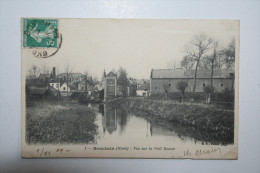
x=64, y=88
x=57, y=85
x=222, y=85
x=155, y=87
x=169, y=84
x=52, y=85
x=203, y=84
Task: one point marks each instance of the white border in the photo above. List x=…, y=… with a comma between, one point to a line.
x=248, y=12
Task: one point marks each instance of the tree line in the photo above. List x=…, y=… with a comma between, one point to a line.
x=202, y=52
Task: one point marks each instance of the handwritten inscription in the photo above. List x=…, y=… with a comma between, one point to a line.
x=42, y=152
x=201, y=153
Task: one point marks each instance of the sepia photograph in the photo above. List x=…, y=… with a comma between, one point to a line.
x=130, y=88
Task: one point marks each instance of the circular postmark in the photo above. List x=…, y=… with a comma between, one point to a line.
x=46, y=52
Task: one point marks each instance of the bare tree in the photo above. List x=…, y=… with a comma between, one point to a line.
x=171, y=64
x=210, y=61
x=197, y=48
x=181, y=86
x=87, y=80
x=45, y=69
x=229, y=54
x=33, y=71
x=68, y=72
x=187, y=62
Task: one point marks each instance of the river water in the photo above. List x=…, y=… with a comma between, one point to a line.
x=119, y=126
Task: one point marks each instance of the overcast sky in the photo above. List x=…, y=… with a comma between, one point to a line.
x=137, y=45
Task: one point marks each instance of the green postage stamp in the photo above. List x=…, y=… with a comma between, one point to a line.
x=41, y=33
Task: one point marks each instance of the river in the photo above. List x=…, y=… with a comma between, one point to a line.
x=119, y=126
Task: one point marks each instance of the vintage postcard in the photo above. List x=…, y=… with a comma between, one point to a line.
x=130, y=88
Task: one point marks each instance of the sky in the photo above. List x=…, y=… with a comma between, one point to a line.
x=138, y=45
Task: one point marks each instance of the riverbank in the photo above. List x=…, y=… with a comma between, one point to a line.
x=63, y=121
x=219, y=123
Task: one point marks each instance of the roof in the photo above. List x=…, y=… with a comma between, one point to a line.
x=35, y=83
x=72, y=75
x=167, y=73
x=45, y=75
x=137, y=81
x=111, y=74
x=144, y=86
x=55, y=80
x=181, y=73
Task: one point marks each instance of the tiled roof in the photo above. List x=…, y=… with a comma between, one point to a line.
x=168, y=73
x=181, y=73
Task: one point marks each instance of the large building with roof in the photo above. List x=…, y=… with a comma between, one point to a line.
x=165, y=80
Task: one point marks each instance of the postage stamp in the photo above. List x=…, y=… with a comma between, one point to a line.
x=40, y=33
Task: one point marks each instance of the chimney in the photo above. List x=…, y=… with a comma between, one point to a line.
x=54, y=72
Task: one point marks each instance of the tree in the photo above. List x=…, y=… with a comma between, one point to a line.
x=187, y=62
x=229, y=54
x=87, y=80
x=208, y=90
x=166, y=89
x=210, y=61
x=123, y=80
x=181, y=86
x=171, y=64
x=45, y=69
x=33, y=71
x=197, y=48
x=68, y=72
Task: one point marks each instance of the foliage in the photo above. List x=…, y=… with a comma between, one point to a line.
x=123, y=80
x=56, y=123
x=181, y=85
x=229, y=54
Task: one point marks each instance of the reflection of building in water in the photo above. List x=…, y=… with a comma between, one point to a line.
x=109, y=120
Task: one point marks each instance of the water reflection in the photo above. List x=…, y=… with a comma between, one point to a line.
x=111, y=117
x=121, y=126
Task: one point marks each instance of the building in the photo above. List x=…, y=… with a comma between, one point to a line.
x=143, y=90
x=44, y=76
x=64, y=87
x=55, y=83
x=110, y=85
x=165, y=80
x=72, y=77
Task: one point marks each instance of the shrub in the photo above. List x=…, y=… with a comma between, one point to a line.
x=75, y=95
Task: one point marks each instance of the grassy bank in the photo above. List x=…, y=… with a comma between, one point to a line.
x=219, y=123
x=59, y=122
